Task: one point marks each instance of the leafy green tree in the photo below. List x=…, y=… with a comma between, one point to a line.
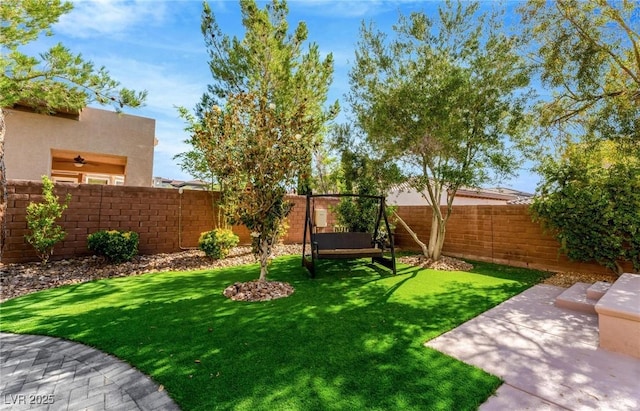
x=442, y=99
x=269, y=60
x=588, y=54
x=45, y=233
x=55, y=80
x=264, y=151
x=590, y=200
x=261, y=117
x=363, y=173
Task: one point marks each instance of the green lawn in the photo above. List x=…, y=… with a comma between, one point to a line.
x=350, y=339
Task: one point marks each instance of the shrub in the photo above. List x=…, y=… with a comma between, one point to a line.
x=41, y=220
x=592, y=209
x=217, y=243
x=116, y=246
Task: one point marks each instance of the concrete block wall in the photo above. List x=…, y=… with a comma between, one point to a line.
x=501, y=234
x=155, y=214
x=168, y=221
x=165, y=220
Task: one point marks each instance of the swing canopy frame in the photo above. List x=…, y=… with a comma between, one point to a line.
x=345, y=245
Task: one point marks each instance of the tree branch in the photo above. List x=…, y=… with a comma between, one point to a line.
x=603, y=48
x=630, y=33
x=423, y=246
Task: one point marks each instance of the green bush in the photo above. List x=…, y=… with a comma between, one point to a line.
x=116, y=246
x=592, y=209
x=41, y=221
x=217, y=243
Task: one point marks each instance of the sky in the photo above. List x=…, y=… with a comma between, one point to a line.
x=156, y=45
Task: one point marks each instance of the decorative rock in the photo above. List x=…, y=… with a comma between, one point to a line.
x=258, y=291
x=25, y=278
x=444, y=264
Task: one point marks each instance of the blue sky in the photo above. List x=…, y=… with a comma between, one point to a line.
x=157, y=46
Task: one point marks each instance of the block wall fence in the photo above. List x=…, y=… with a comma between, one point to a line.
x=168, y=221
x=502, y=234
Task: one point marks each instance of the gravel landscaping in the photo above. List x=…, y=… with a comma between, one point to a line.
x=21, y=279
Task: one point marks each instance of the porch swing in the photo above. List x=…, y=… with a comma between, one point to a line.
x=332, y=243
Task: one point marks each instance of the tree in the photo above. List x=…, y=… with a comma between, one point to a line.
x=45, y=233
x=55, y=80
x=262, y=116
x=264, y=152
x=442, y=98
x=588, y=54
x=590, y=201
x=260, y=63
x=363, y=173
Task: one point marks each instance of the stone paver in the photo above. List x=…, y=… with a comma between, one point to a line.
x=45, y=373
x=547, y=356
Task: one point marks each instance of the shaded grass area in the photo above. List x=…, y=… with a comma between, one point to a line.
x=350, y=339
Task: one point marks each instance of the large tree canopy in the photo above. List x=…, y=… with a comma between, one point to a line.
x=588, y=55
x=270, y=60
x=443, y=98
x=55, y=80
x=261, y=117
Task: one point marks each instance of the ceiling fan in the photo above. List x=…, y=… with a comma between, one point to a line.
x=79, y=161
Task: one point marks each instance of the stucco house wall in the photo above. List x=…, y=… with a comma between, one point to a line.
x=97, y=135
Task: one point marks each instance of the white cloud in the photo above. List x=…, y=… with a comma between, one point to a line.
x=109, y=17
x=167, y=86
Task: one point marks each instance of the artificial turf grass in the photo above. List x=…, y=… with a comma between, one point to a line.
x=350, y=339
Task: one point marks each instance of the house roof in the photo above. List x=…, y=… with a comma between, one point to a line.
x=168, y=182
x=495, y=193
x=521, y=200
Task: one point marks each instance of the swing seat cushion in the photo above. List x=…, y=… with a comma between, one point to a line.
x=344, y=245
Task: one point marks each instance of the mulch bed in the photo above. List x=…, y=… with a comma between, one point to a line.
x=258, y=290
x=26, y=278
x=567, y=279
x=21, y=279
x=444, y=264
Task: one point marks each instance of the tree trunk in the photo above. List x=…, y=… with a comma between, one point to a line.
x=265, y=253
x=433, y=236
x=3, y=187
x=440, y=231
x=423, y=246
x=619, y=269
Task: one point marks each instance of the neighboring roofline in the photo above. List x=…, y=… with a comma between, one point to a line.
x=180, y=183
x=486, y=193
x=464, y=192
x=34, y=108
x=521, y=201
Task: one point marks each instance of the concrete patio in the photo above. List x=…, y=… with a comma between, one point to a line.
x=547, y=356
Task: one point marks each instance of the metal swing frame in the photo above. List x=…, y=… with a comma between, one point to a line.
x=345, y=245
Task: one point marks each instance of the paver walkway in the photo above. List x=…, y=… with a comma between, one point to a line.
x=547, y=356
x=45, y=373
